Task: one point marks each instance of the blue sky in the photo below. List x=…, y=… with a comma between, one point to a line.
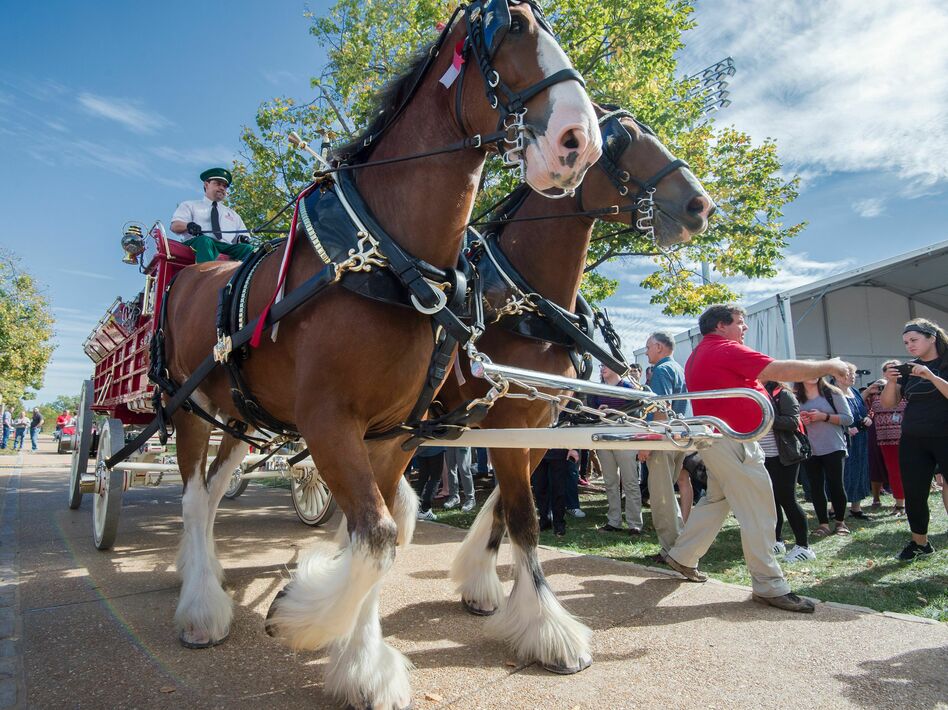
x=108, y=112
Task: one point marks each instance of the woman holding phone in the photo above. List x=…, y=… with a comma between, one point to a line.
x=824, y=412
x=923, y=446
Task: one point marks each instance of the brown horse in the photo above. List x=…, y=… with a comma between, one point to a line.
x=532, y=621
x=343, y=366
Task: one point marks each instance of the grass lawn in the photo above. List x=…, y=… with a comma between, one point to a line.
x=860, y=569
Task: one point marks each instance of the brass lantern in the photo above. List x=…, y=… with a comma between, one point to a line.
x=133, y=243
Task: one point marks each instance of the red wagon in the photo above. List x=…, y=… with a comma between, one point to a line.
x=120, y=396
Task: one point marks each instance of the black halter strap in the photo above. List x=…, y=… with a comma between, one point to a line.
x=609, y=125
x=502, y=98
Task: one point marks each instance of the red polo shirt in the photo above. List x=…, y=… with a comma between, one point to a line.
x=719, y=363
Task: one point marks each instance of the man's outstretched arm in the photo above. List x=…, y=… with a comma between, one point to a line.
x=799, y=370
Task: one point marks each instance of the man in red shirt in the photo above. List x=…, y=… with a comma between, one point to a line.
x=737, y=479
x=61, y=421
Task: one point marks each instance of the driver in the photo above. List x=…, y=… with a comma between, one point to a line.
x=213, y=227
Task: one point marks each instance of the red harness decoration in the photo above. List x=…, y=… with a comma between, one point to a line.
x=284, y=269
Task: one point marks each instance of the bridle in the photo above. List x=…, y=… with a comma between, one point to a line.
x=487, y=25
x=615, y=140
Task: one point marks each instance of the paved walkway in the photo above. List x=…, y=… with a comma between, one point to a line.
x=82, y=628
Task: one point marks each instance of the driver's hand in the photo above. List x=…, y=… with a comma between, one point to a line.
x=244, y=239
x=194, y=229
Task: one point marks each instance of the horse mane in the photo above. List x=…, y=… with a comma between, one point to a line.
x=389, y=103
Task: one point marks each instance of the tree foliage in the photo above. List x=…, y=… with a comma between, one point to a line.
x=26, y=330
x=51, y=410
x=626, y=51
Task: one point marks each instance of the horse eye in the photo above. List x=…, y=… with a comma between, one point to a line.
x=516, y=25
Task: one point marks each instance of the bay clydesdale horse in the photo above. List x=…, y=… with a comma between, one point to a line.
x=633, y=157
x=344, y=366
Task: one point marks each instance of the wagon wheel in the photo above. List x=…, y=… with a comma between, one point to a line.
x=312, y=498
x=238, y=484
x=82, y=441
x=107, y=500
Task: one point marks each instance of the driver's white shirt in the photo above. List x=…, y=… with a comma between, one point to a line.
x=199, y=211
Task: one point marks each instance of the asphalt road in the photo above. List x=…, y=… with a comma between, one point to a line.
x=81, y=628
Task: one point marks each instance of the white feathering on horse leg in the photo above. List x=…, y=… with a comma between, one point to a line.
x=323, y=599
x=363, y=669
x=341, y=538
x=217, y=484
x=405, y=511
x=535, y=624
x=474, y=569
x=204, y=609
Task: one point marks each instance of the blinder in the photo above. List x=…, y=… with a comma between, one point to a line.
x=615, y=139
x=496, y=22
x=494, y=25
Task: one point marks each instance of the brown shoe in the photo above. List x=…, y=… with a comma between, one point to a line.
x=788, y=602
x=692, y=574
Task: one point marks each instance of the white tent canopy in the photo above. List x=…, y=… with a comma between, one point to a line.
x=857, y=316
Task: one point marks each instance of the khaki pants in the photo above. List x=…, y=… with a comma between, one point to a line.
x=621, y=468
x=738, y=481
x=663, y=470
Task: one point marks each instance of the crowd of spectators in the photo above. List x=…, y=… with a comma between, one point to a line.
x=842, y=443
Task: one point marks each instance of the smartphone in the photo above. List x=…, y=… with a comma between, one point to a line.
x=904, y=370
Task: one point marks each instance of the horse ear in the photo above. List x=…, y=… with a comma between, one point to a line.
x=495, y=23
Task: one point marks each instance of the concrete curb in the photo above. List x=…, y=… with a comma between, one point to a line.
x=12, y=679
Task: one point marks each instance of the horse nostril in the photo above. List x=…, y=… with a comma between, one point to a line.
x=701, y=205
x=570, y=140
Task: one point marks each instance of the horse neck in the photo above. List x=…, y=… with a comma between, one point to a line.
x=550, y=254
x=424, y=204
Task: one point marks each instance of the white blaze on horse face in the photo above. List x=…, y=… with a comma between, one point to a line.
x=571, y=143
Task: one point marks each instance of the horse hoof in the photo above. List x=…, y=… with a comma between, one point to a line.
x=268, y=625
x=471, y=609
x=583, y=664
x=204, y=644
x=368, y=706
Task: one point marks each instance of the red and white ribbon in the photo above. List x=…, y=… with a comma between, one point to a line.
x=454, y=71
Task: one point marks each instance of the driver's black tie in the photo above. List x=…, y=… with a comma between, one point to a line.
x=216, y=223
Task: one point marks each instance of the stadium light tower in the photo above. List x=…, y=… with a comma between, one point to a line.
x=712, y=85
x=712, y=88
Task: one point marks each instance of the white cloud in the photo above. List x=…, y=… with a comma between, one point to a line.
x=869, y=207
x=88, y=274
x=843, y=86
x=124, y=111
x=279, y=77
x=213, y=155
x=635, y=318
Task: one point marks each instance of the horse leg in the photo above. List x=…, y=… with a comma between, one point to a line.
x=474, y=570
x=403, y=506
x=405, y=510
x=204, y=609
x=333, y=598
x=229, y=456
x=533, y=621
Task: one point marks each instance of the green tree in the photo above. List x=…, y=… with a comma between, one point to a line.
x=26, y=330
x=626, y=50
x=51, y=410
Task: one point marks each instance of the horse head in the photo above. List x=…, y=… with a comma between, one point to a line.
x=532, y=92
x=661, y=195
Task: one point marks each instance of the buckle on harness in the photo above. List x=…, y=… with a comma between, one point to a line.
x=442, y=301
x=223, y=348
